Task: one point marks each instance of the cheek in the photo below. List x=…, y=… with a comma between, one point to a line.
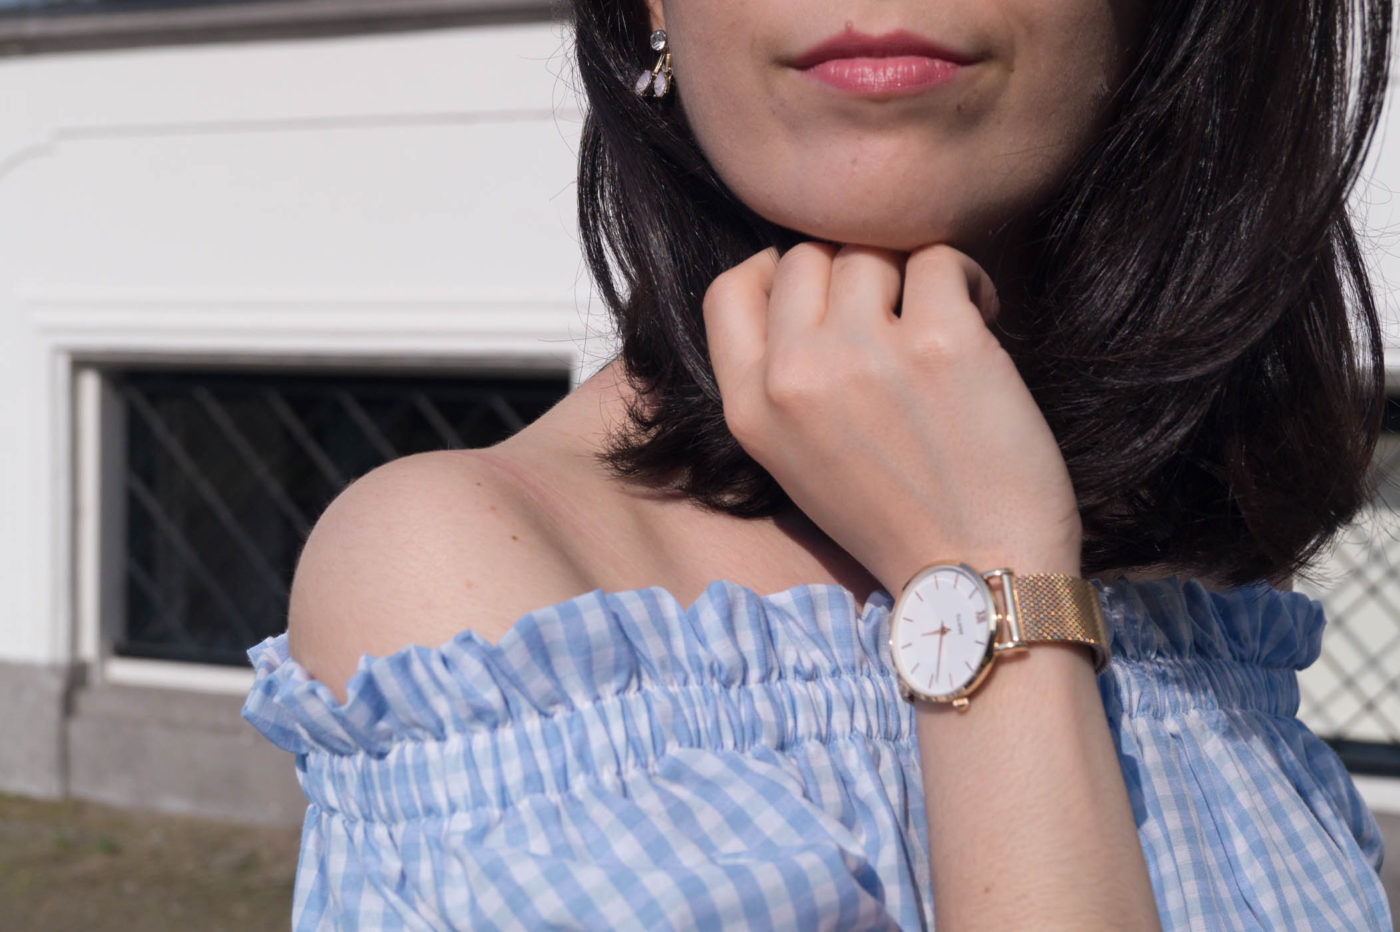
x=1038, y=131
x=1070, y=55
x=767, y=143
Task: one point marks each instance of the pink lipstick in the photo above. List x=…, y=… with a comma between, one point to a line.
x=897, y=62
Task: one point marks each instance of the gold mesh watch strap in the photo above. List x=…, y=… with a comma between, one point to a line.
x=1056, y=607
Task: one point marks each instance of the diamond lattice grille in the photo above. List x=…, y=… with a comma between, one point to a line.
x=1352, y=693
x=225, y=474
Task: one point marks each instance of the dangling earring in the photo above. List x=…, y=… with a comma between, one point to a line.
x=658, y=79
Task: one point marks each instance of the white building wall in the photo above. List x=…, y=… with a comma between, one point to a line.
x=404, y=199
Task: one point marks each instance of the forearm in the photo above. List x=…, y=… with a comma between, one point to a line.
x=1028, y=816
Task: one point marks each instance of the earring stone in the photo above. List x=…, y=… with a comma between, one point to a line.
x=657, y=81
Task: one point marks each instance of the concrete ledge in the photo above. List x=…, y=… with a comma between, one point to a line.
x=1390, y=867
x=31, y=728
x=180, y=752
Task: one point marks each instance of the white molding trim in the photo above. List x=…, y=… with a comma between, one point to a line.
x=92, y=591
x=59, y=462
x=414, y=330
x=173, y=674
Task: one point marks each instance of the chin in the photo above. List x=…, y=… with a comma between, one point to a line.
x=873, y=229
x=894, y=233
x=871, y=214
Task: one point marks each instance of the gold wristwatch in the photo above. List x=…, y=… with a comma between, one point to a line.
x=946, y=628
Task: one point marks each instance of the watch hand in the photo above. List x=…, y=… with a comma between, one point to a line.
x=940, y=652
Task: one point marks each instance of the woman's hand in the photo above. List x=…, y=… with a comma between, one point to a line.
x=912, y=439
x=906, y=439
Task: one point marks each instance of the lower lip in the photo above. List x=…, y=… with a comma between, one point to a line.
x=900, y=75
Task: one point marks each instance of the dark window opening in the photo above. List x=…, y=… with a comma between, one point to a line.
x=226, y=473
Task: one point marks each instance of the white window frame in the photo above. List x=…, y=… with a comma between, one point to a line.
x=87, y=333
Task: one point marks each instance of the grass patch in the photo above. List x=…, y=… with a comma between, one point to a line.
x=78, y=865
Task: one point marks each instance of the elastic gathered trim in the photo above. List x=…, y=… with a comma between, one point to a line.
x=609, y=739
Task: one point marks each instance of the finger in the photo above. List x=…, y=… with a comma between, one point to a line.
x=945, y=287
x=798, y=299
x=865, y=286
x=735, y=310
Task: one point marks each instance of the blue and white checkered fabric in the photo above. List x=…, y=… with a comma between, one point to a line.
x=621, y=761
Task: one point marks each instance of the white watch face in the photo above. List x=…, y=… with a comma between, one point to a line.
x=941, y=634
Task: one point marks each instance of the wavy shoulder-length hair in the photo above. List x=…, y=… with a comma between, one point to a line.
x=1203, y=340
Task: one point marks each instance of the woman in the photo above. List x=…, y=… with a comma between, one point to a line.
x=1059, y=286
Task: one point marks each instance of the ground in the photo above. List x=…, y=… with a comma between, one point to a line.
x=69, y=866
x=75, y=865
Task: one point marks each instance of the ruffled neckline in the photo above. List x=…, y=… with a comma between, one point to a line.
x=599, y=644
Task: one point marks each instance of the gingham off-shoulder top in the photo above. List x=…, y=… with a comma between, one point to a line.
x=622, y=761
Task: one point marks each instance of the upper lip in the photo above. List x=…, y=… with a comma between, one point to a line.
x=850, y=44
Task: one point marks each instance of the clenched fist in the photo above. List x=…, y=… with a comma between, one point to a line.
x=907, y=438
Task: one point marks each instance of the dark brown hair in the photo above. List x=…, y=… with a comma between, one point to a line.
x=1202, y=335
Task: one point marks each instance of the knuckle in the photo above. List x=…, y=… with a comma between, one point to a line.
x=935, y=342
x=789, y=383
x=800, y=385
x=950, y=341
x=720, y=292
x=739, y=418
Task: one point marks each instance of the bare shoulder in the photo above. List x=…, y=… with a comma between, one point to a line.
x=414, y=552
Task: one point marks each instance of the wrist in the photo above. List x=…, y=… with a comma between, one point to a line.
x=952, y=622
x=1046, y=678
